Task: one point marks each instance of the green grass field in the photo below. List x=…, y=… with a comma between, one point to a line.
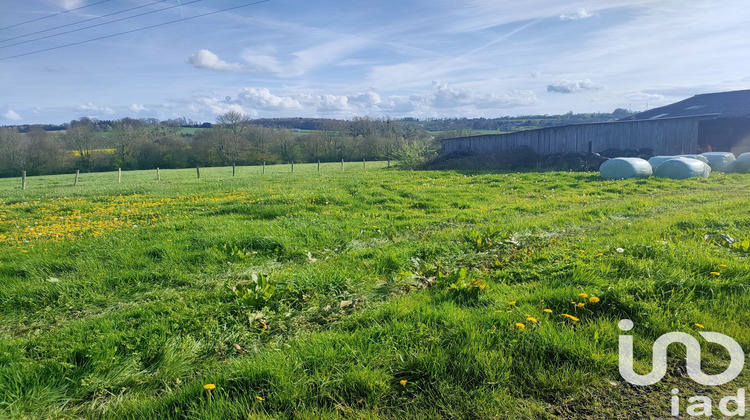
x=377, y=294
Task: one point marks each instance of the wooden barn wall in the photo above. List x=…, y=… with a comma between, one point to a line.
x=725, y=135
x=665, y=137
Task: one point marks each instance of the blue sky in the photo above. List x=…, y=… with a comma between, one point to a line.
x=339, y=59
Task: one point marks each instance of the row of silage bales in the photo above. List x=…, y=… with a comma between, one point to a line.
x=674, y=167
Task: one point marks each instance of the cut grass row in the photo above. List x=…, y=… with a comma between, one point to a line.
x=306, y=295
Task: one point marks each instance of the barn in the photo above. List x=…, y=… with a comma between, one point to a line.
x=714, y=121
x=665, y=136
x=727, y=127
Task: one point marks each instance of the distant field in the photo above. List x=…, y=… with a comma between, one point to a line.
x=362, y=294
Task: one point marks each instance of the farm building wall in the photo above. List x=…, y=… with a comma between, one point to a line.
x=670, y=136
x=725, y=135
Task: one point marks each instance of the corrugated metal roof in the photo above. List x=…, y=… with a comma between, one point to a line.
x=735, y=104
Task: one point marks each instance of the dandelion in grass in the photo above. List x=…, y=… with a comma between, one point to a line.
x=209, y=388
x=583, y=295
x=594, y=299
x=259, y=398
x=549, y=311
x=620, y=250
x=700, y=325
x=532, y=319
x=512, y=303
x=716, y=273
x=723, y=265
x=580, y=305
x=571, y=317
x=520, y=326
x=402, y=382
x=599, y=254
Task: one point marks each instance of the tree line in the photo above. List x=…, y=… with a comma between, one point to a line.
x=92, y=145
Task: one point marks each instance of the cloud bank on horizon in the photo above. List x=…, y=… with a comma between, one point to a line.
x=479, y=58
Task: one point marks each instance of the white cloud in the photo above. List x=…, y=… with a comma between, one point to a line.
x=580, y=14
x=12, y=115
x=645, y=97
x=90, y=107
x=332, y=102
x=71, y=4
x=205, y=59
x=136, y=107
x=446, y=96
x=259, y=63
x=264, y=99
x=574, y=86
x=367, y=99
x=217, y=106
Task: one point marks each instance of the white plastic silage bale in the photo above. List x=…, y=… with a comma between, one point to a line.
x=720, y=161
x=699, y=157
x=658, y=160
x=682, y=168
x=742, y=164
x=625, y=168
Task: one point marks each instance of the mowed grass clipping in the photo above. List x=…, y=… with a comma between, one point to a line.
x=360, y=294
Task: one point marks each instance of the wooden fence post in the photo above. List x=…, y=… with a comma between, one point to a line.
x=342, y=165
x=198, y=171
x=75, y=182
x=364, y=165
x=292, y=166
x=119, y=175
x=318, y=165
x=264, y=168
x=233, y=170
x=158, y=174
x=23, y=180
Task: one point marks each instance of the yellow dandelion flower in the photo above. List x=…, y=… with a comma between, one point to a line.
x=402, y=382
x=599, y=254
x=259, y=398
x=723, y=265
x=507, y=312
x=512, y=303
x=549, y=311
x=532, y=319
x=700, y=326
x=571, y=317
x=594, y=299
x=583, y=295
x=209, y=386
x=519, y=325
x=580, y=305
x=715, y=273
